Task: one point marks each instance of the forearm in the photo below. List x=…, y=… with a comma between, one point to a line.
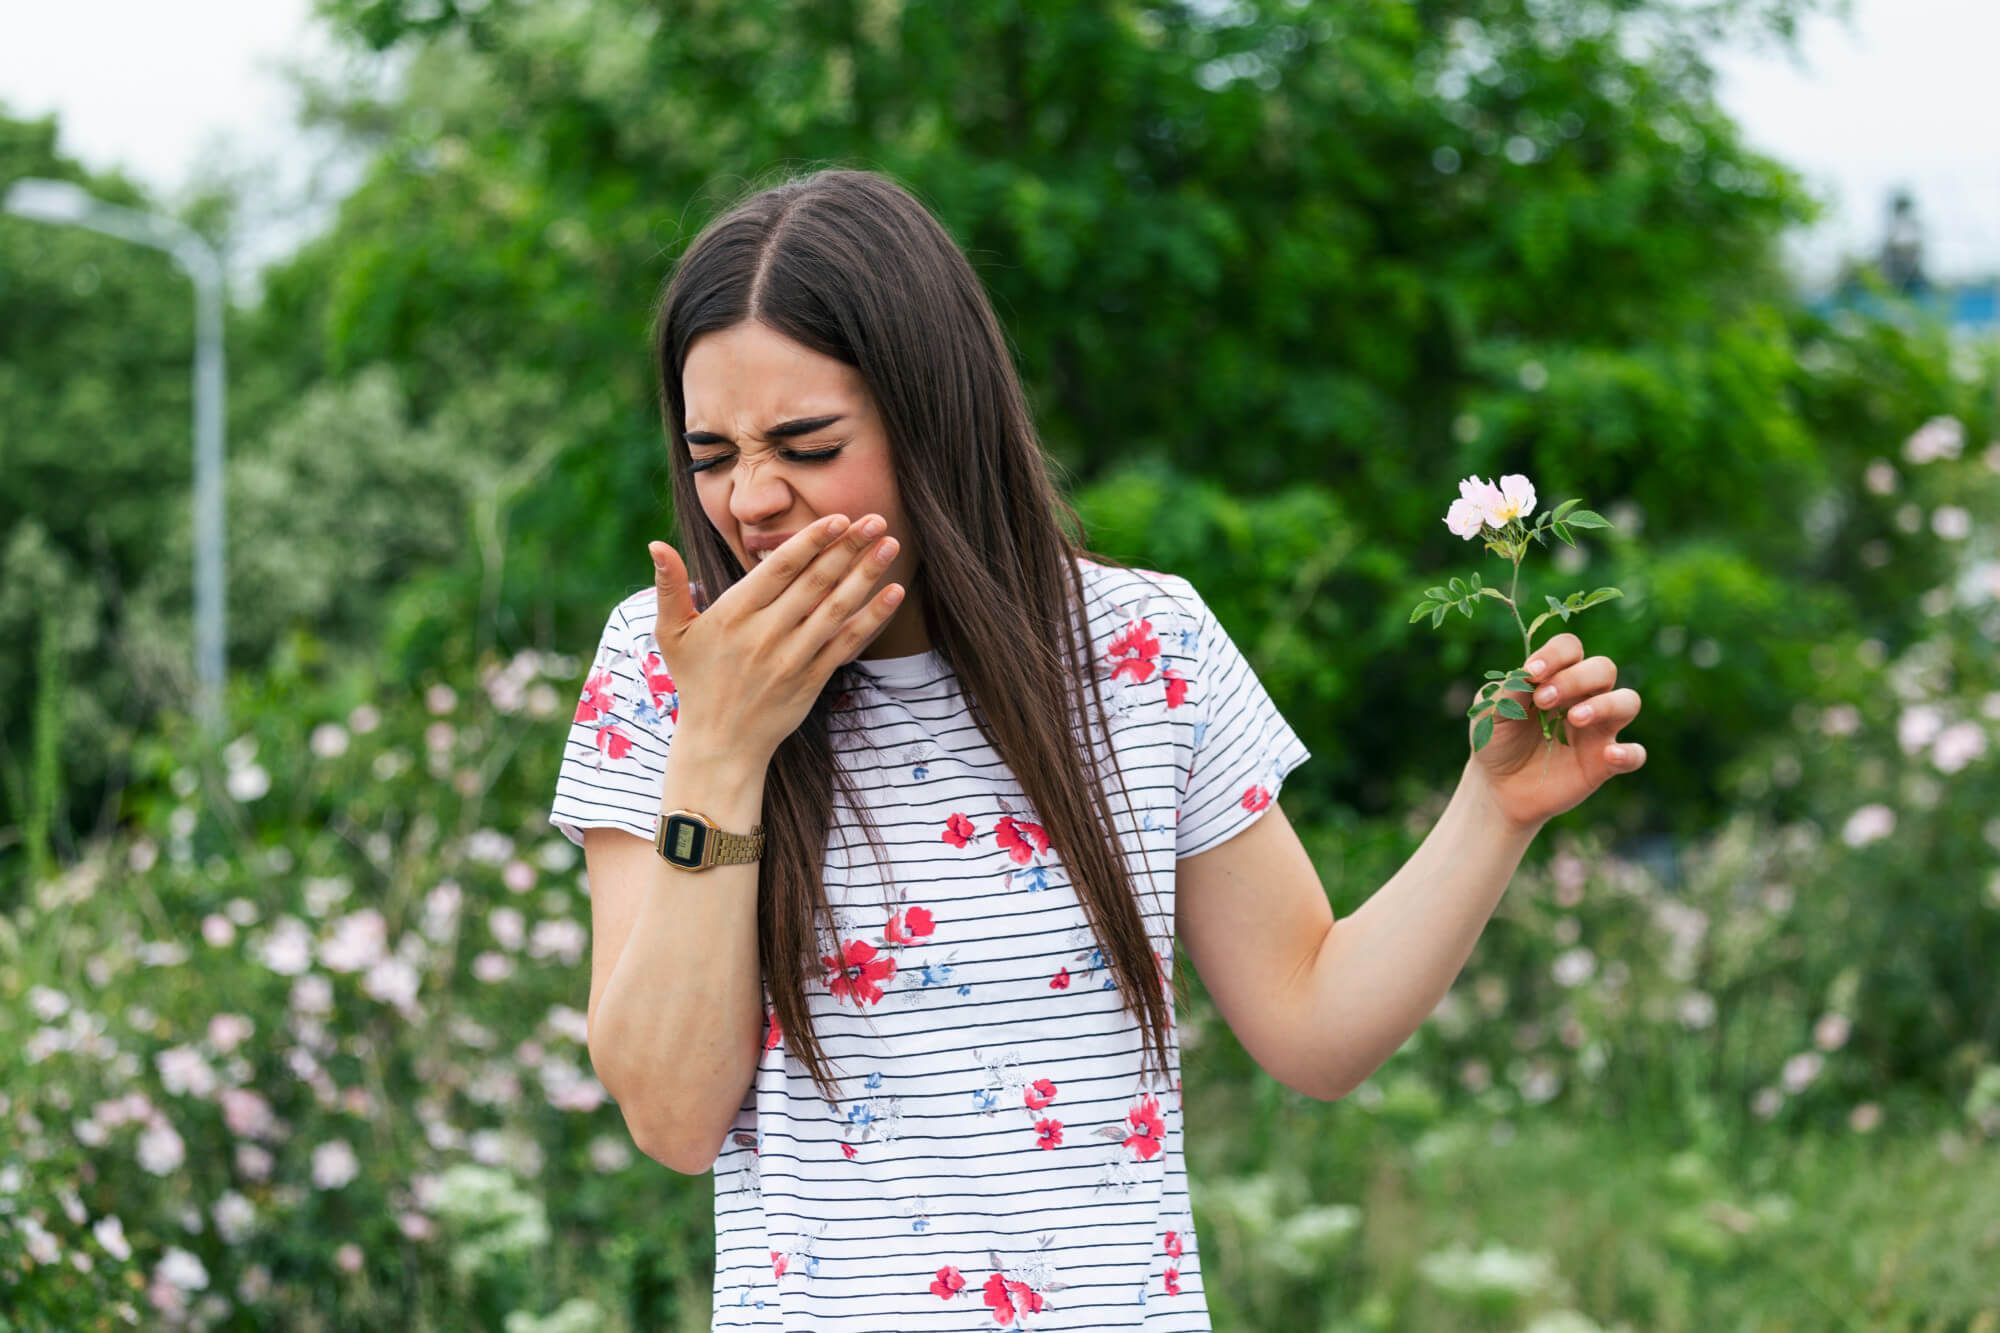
x=677, y=1031
x=1381, y=970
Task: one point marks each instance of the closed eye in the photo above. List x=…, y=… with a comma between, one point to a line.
x=796, y=455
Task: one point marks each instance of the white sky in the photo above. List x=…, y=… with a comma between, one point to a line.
x=1901, y=95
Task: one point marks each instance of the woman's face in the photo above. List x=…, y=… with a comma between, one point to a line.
x=742, y=383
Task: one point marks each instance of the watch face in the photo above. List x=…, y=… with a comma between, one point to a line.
x=685, y=841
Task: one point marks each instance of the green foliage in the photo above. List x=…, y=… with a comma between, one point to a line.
x=1277, y=276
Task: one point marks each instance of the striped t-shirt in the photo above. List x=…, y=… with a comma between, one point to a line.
x=996, y=1158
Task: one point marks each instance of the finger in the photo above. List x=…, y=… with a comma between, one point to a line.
x=825, y=575
x=670, y=582
x=1625, y=755
x=1613, y=708
x=1562, y=650
x=1591, y=676
x=857, y=629
x=854, y=589
x=772, y=577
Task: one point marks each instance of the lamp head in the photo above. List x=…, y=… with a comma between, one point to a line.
x=47, y=200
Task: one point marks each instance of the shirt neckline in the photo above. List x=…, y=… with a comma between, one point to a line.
x=915, y=669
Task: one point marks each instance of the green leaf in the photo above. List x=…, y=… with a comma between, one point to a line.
x=1511, y=707
x=1562, y=509
x=1482, y=732
x=1423, y=609
x=1496, y=675
x=1584, y=518
x=1437, y=616
x=1562, y=531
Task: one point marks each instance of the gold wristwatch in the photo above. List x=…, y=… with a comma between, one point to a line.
x=692, y=841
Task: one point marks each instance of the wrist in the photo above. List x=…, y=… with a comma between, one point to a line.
x=720, y=777
x=1492, y=812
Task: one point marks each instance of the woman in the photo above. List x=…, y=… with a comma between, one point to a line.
x=934, y=1067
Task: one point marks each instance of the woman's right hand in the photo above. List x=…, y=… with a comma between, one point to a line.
x=751, y=665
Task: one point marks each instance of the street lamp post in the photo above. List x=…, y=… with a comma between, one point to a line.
x=66, y=202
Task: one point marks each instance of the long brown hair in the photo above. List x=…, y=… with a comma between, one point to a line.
x=851, y=264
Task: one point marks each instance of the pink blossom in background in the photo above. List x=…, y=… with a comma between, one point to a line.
x=1801, y=1069
x=1940, y=437
x=161, y=1149
x=358, y=942
x=491, y=967
x=312, y=994
x=1831, y=1032
x=183, y=1072
x=110, y=1233
x=334, y=1164
x=1958, y=745
x=287, y=948
x=253, y=1162
x=246, y=1113
x=509, y=928
x=228, y=1031
x=1870, y=823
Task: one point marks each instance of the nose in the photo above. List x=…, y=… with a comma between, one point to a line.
x=755, y=500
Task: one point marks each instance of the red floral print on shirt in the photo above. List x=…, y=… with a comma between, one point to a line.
x=948, y=1283
x=958, y=830
x=1060, y=981
x=1007, y=1297
x=1147, y=1127
x=660, y=684
x=909, y=925
x=1256, y=797
x=1177, y=687
x=857, y=971
x=776, y=1033
x=598, y=701
x=1020, y=838
x=1048, y=1133
x=1038, y=1094
x=1135, y=651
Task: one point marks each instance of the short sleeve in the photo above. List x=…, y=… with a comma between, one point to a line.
x=1243, y=747
x=615, y=756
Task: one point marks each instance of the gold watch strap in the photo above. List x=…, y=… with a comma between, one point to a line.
x=730, y=849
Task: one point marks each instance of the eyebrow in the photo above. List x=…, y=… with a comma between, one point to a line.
x=783, y=430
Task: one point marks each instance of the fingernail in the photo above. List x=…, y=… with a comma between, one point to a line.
x=1545, y=694
x=1535, y=667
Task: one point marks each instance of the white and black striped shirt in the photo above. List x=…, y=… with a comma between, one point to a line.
x=996, y=1159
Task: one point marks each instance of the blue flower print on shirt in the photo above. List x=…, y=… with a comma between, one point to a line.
x=1033, y=878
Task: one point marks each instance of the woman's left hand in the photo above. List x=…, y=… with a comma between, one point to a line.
x=1532, y=779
